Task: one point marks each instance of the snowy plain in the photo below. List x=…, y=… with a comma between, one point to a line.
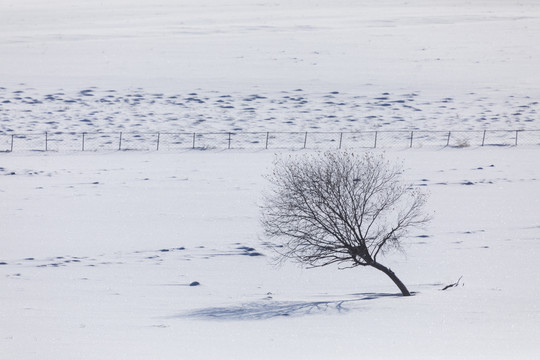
x=99, y=249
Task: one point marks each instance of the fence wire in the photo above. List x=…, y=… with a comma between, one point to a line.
x=106, y=141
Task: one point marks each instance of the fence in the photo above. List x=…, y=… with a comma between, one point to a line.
x=101, y=141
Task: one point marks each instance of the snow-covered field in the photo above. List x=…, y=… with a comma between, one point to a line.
x=243, y=65
x=98, y=250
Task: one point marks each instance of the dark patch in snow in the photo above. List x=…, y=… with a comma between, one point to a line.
x=249, y=251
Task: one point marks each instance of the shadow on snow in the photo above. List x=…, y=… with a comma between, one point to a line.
x=267, y=309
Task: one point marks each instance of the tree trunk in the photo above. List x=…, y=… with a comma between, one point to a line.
x=392, y=276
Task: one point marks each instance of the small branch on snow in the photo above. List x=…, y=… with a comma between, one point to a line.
x=452, y=285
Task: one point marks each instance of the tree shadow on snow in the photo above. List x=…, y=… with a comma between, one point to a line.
x=268, y=309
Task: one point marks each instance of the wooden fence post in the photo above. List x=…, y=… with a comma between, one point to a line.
x=305, y=140
x=375, y=140
x=157, y=145
x=412, y=134
x=46, y=141
x=267, y=136
x=484, y=138
x=229, y=145
x=340, y=140
x=12, y=136
x=193, y=141
x=517, y=131
x=448, y=140
x=120, y=142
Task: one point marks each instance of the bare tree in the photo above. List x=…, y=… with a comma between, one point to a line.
x=338, y=207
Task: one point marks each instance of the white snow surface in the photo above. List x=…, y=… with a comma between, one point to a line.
x=98, y=249
x=445, y=46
